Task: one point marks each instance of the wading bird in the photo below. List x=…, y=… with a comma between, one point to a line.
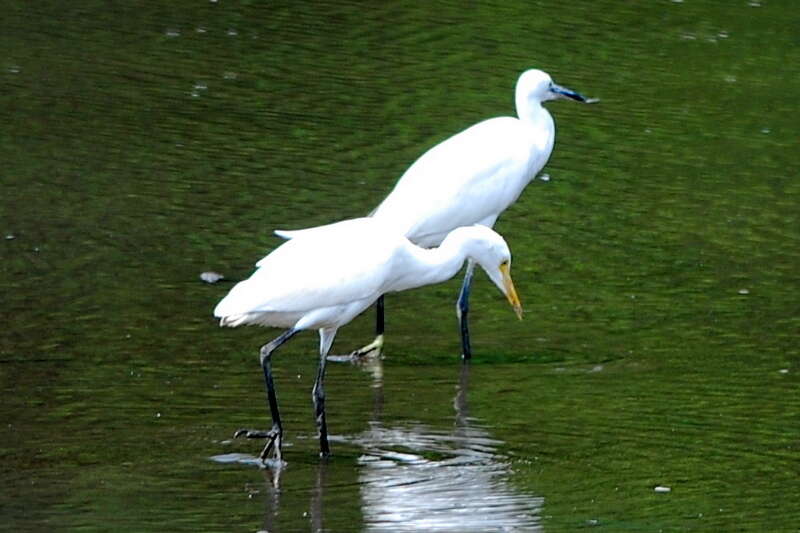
x=323, y=278
x=474, y=176
x=470, y=178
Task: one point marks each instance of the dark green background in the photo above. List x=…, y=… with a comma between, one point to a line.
x=143, y=143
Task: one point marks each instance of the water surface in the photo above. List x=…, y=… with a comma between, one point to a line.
x=145, y=144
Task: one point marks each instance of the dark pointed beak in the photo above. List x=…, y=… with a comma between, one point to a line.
x=563, y=92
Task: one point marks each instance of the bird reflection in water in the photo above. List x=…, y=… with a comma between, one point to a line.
x=413, y=477
x=418, y=478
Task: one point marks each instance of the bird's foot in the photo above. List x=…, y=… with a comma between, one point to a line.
x=273, y=437
x=373, y=349
x=370, y=352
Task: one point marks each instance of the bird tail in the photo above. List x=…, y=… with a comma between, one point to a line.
x=289, y=234
x=233, y=321
x=237, y=306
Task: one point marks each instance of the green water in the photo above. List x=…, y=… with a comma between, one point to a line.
x=145, y=143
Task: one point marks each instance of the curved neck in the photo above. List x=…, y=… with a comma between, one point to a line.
x=434, y=265
x=529, y=110
x=543, y=128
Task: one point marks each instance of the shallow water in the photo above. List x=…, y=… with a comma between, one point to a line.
x=658, y=265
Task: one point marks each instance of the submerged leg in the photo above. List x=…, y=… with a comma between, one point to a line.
x=275, y=434
x=462, y=311
x=377, y=344
x=326, y=337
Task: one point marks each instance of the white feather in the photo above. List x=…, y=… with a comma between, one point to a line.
x=324, y=277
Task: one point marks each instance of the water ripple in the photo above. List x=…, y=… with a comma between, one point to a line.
x=421, y=479
x=417, y=478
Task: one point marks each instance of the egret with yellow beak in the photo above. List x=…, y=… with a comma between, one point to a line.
x=324, y=278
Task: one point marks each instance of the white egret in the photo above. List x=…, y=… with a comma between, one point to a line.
x=324, y=278
x=470, y=178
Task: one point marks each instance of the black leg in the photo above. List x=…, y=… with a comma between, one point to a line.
x=379, y=316
x=462, y=310
x=275, y=434
x=318, y=396
x=326, y=336
x=377, y=345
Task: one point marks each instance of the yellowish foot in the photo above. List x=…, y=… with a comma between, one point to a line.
x=372, y=349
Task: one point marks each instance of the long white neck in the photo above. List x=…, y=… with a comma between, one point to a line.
x=434, y=265
x=542, y=127
x=529, y=110
x=525, y=110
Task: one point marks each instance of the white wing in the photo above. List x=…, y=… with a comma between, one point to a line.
x=335, y=227
x=333, y=265
x=468, y=178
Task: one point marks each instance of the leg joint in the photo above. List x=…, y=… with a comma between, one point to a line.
x=265, y=354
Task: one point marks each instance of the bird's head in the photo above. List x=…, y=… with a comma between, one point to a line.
x=487, y=248
x=536, y=86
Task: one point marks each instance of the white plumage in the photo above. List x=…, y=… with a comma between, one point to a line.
x=322, y=279
x=325, y=277
x=325, y=272
x=473, y=176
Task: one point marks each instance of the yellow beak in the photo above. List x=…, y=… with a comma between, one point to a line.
x=511, y=292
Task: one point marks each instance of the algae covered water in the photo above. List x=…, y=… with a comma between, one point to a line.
x=652, y=386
